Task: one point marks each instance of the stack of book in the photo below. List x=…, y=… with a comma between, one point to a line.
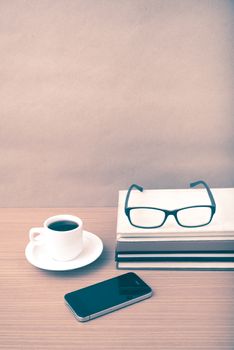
x=172, y=246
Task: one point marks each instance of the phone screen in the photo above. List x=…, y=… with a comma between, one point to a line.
x=107, y=294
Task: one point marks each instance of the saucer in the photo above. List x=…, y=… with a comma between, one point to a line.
x=38, y=256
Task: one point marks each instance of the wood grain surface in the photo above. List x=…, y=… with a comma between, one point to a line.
x=189, y=309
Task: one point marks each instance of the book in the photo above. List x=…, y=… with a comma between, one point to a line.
x=222, y=224
x=167, y=256
x=176, y=238
x=197, y=265
x=174, y=246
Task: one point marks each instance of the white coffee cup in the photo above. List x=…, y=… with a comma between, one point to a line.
x=61, y=242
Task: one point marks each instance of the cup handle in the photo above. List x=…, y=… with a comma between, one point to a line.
x=36, y=235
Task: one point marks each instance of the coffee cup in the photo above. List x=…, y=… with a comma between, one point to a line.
x=62, y=236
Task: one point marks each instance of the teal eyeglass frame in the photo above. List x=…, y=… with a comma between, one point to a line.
x=174, y=213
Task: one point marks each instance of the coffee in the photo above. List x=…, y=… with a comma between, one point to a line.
x=63, y=225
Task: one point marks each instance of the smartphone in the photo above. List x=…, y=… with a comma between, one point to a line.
x=107, y=296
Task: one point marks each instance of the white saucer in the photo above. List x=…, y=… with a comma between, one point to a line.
x=37, y=255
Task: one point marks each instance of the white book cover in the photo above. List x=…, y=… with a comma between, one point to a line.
x=215, y=236
x=221, y=224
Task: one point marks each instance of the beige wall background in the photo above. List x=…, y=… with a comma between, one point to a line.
x=95, y=95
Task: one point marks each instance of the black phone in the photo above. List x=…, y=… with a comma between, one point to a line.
x=107, y=296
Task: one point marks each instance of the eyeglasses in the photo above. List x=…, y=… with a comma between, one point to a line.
x=150, y=217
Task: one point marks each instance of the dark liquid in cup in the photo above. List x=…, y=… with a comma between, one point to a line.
x=63, y=225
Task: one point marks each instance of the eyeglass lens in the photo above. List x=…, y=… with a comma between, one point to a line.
x=190, y=217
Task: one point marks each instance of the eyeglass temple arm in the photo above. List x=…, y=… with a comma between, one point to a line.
x=139, y=188
x=201, y=182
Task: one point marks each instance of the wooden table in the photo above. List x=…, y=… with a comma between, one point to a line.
x=189, y=310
